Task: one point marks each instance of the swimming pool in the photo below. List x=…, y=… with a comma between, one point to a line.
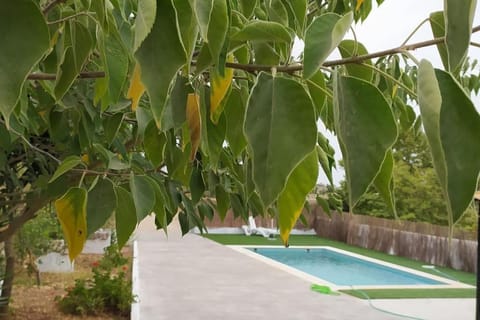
x=342, y=269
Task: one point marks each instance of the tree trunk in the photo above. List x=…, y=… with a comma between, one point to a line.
x=8, y=279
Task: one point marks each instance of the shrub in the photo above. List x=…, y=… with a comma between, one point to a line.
x=108, y=291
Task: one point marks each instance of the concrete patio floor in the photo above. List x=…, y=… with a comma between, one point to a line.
x=196, y=278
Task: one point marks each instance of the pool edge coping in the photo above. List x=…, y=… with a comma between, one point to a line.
x=450, y=284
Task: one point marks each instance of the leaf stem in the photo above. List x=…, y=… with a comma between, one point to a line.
x=386, y=75
x=81, y=179
x=411, y=57
x=51, y=5
x=31, y=145
x=71, y=17
x=414, y=31
x=327, y=93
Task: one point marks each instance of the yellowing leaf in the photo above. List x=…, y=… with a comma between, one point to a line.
x=290, y=202
x=193, y=122
x=359, y=4
x=136, y=89
x=85, y=158
x=220, y=87
x=72, y=214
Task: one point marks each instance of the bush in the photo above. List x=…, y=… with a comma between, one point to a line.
x=38, y=237
x=109, y=291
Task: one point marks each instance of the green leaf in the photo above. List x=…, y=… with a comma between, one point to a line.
x=459, y=133
x=458, y=24
x=174, y=115
x=217, y=28
x=146, y=14
x=187, y=26
x=184, y=222
x=430, y=102
x=222, y=201
x=317, y=88
x=67, y=164
x=177, y=161
x=326, y=156
x=21, y=49
x=351, y=48
x=323, y=35
x=197, y=185
x=111, y=126
x=263, y=31
x=238, y=207
x=215, y=138
x=290, y=202
x=234, y=114
x=277, y=12
x=281, y=131
x=203, y=10
x=125, y=218
x=205, y=211
x=100, y=9
x=265, y=53
x=384, y=183
x=160, y=204
x=115, y=59
x=80, y=44
x=143, y=196
x=153, y=56
x=154, y=143
x=437, y=23
x=247, y=7
x=452, y=126
x=101, y=204
x=299, y=8
x=72, y=213
x=366, y=130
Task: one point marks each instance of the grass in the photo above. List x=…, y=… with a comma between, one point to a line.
x=411, y=293
x=302, y=240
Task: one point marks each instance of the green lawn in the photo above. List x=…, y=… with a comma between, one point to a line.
x=411, y=293
x=308, y=240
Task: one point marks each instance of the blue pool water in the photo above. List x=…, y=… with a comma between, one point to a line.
x=342, y=269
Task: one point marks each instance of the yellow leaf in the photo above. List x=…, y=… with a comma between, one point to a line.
x=72, y=214
x=137, y=88
x=193, y=122
x=85, y=158
x=359, y=4
x=220, y=86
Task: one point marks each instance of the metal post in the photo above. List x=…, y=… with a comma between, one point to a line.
x=477, y=200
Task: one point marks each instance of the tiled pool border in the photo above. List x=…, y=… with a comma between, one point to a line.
x=450, y=284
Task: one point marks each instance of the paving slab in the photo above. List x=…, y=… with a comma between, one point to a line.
x=195, y=278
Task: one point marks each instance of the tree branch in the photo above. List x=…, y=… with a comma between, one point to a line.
x=29, y=212
x=283, y=68
x=53, y=76
x=357, y=59
x=51, y=5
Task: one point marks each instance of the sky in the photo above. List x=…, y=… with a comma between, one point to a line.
x=388, y=26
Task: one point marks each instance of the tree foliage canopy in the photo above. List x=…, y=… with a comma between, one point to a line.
x=128, y=107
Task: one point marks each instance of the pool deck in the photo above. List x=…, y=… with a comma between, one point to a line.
x=192, y=277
